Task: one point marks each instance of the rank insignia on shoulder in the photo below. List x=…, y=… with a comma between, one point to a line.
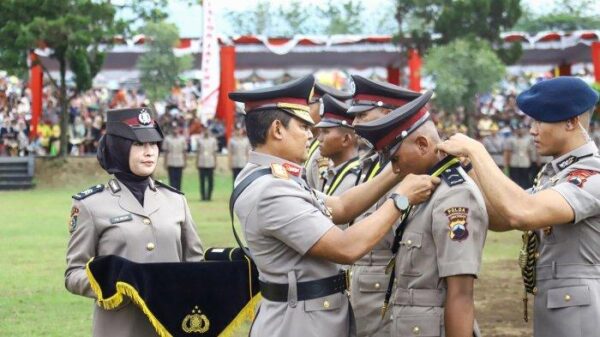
x=457, y=224
x=92, y=190
x=567, y=162
x=72, y=225
x=279, y=171
x=452, y=176
x=579, y=177
x=170, y=188
x=114, y=185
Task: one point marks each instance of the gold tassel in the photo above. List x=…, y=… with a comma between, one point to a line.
x=130, y=291
x=245, y=315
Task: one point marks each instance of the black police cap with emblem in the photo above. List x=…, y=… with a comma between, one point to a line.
x=135, y=124
x=321, y=90
x=370, y=94
x=291, y=97
x=334, y=114
x=387, y=133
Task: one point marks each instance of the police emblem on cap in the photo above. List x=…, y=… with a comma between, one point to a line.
x=144, y=117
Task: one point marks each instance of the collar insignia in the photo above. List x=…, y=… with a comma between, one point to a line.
x=279, y=171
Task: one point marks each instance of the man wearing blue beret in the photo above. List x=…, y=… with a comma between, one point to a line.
x=560, y=215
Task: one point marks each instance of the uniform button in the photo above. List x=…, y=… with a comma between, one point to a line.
x=147, y=221
x=537, y=255
x=326, y=304
x=567, y=298
x=416, y=330
x=535, y=290
x=409, y=242
x=377, y=285
x=150, y=246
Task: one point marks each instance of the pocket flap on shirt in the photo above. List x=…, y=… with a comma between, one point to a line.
x=412, y=240
x=373, y=283
x=418, y=325
x=330, y=302
x=568, y=297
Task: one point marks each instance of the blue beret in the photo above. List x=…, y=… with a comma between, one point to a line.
x=557, y=99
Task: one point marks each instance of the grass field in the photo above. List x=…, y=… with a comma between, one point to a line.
x=34, y=235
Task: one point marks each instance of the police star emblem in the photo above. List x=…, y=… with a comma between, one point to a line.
x=457, y=223
x=144, y=117
x=73, y=220
x=197, y=322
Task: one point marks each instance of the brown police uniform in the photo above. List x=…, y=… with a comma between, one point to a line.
x=282, y=218
x=443, y=237
x=567, y=294
x=316, y=166
x=439, y=238
x=368, y=279
x=108, y=219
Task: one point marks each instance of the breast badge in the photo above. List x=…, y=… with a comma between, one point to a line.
x=458, y=223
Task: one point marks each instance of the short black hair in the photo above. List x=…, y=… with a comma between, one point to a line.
x=259, y=122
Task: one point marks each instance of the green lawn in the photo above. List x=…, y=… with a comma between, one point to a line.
x=33, y=239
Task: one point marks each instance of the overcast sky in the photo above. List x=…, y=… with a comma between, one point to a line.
x=189, y=18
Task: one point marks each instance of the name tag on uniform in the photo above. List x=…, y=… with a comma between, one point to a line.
x=121, y=218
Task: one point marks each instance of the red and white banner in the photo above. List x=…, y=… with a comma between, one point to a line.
x=210, y=63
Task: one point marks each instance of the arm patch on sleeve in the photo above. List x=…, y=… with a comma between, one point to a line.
x=579, y=177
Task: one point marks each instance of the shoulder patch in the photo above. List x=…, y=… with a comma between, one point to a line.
x=170, y=188
x=579, y=177
x=72, y=225
x=92, y=190
x=452, y=176
x=457, y=223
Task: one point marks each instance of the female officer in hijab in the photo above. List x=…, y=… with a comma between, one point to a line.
x=132, y=216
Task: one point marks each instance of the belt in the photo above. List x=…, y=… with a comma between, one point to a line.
x=421, y=297
x=308, y=290
x=376, y=257
x=563, y=271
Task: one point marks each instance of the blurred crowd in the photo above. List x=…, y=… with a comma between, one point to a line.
x=496, y=113
x=87, y=116
x=504, y=129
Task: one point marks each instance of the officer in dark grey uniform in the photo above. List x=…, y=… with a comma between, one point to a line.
x=290, y=228
x=373, y=100
x=560, y=216
x=439, y=245
x=132, y=216
x=316, y=164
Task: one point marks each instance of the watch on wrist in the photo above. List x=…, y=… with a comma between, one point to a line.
x=400, y=201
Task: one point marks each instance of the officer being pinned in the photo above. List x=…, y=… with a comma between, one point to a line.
x=438, y=245
x=373, y=100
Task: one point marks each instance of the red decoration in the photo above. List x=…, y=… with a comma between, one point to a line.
x=225, y=106
x=414, y=64
x=35, y=84
x=579, y=177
